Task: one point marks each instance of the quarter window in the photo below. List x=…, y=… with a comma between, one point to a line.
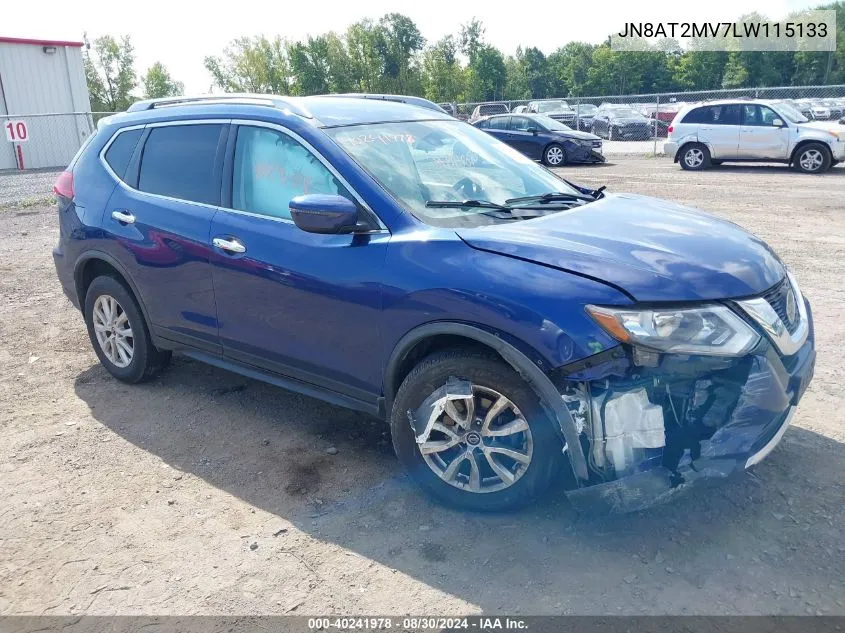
x=120, y=151
x=271, y=168
x=179, y=162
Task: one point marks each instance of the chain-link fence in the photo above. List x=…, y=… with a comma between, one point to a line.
x=636, y=124
x=631, y=124
x=44, y=140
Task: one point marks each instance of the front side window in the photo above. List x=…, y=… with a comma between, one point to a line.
x=421, y=161
x=179, y=162
x=758, y=115
x=522, y=123
x=270, y=168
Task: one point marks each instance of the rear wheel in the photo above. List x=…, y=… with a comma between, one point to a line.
x=119, y=334
x=554, y=155
x=494, y=450
x=695, y=157
x=812, y=158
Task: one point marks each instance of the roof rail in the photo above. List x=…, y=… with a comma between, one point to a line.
x=408, y=99
x=272, y=101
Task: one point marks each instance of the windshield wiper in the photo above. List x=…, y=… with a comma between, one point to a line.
x=553, y=196
x=455, y=204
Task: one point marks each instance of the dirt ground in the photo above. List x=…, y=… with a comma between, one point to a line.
x=207, y=493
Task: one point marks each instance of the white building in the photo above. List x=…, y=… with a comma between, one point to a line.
x=42, y=77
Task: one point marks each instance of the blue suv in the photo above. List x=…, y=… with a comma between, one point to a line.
x=513, y=328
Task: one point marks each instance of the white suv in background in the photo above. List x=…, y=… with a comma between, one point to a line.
x=711, y=133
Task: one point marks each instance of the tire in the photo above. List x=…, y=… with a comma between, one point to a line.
x=812, y=158
x=491, y=379
x=144, y=359
x=554, y=155
x=694, y=157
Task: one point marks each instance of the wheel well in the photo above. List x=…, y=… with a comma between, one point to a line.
x=428, y=346
x=92, y=269
x=806, y=142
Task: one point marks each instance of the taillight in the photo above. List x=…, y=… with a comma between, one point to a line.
x=64, y=185
x=671, y=129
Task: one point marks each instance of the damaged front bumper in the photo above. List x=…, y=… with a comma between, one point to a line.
x=654, y=426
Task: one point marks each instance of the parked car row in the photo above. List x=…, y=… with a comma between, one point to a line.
x=636, y=120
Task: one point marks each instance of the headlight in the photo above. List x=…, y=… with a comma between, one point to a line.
x=712, y=330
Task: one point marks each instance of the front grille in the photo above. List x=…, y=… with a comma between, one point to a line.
x=778, y=296
x=596, y=143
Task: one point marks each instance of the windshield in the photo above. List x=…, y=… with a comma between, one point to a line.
x=790, y=113
x=552, y=106
x=551, y=124
x=422, y=161
x=587, y=108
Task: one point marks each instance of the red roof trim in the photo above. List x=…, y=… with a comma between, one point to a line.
x=22, y=40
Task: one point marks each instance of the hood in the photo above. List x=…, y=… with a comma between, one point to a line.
x=557, y=114
x=629, y=120
x=581, y=136
x=827, y=126
x=653, y=249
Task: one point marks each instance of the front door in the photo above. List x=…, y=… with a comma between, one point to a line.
x=524, y=140
x=303, y=305
x=759, y=137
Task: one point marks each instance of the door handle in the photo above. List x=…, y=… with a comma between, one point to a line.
x=230, y=245
x=124, y=217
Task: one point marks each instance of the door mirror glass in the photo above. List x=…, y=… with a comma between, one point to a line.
x=324, y=213
x=777, y=122
x=533, y=130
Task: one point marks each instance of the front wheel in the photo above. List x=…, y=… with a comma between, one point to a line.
x=554, y=155
x=812, y=158
x=492, y=450
x=695, y=157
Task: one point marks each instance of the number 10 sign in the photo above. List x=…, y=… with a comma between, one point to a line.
x=16, y=131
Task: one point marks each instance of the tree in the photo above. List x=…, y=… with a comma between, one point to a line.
x=252, y=65
x=109, y=73
x=158, y=83
x=442, y=75
x=487, y=74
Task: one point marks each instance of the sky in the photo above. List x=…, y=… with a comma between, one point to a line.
x=182, y=34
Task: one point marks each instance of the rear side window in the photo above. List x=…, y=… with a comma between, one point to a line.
x=715, y=115
x=179, y=162
x=120, y=151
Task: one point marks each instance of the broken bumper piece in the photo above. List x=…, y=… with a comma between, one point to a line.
x=719, y=417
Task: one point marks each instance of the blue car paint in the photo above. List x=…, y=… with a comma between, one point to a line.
x=330, y=310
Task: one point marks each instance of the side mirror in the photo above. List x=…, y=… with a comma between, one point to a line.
x=321, y=213
x=533, y=130
x=778, y=123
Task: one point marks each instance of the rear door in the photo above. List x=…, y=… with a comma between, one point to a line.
x=159, y=219
x=719, y=129
x=759, y=137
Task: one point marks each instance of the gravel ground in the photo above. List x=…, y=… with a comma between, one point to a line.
x=26, y=188
x=205, y=492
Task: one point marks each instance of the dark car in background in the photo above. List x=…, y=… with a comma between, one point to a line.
x=622, y=123
x=542, y=138
x=557, y=109
x=584, y=113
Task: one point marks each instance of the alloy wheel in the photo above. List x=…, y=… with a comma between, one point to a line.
x=479, y=444
x=694, y=157
x=811, y=160
x=554, y=156
x=113, y=331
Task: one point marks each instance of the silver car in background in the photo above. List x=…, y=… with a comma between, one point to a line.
x=710, y=133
